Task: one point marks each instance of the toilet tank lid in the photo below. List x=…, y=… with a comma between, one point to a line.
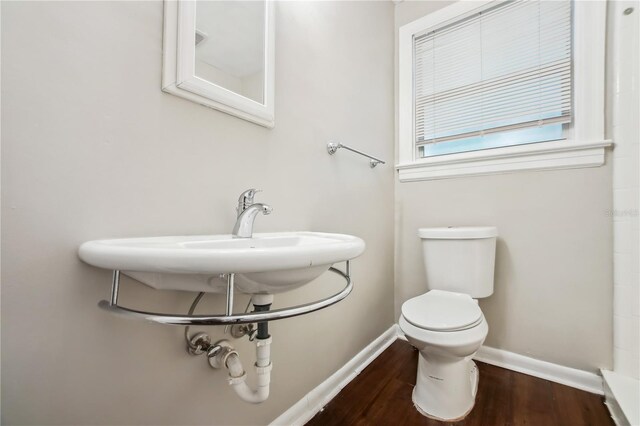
x=459, y=232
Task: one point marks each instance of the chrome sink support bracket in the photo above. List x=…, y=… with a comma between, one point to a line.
x=229, y=317
x=201, y=342
x=115, y=285
x=230, y=284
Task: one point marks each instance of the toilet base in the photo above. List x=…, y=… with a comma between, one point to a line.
x=445, y=391
x=419, y=410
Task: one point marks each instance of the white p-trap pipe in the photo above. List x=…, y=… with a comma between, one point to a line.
x=238, y=377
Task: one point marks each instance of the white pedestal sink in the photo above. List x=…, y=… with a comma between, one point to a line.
x=267, y=263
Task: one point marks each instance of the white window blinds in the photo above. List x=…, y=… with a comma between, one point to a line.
x=507, y=67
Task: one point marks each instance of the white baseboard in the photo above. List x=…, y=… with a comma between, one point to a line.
x=578, y=379
x=304, y=410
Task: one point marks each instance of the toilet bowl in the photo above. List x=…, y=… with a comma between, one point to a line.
x=447, y=377
x=446, y=323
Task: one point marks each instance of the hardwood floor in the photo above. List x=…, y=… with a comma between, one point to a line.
x=381, y=395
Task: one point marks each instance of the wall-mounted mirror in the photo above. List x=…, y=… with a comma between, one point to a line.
x=220, y=54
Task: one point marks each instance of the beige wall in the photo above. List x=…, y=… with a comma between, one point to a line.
x=553, y=289
x=91, y=148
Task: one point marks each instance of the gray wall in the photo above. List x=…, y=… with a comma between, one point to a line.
x=91, y=148
x=553, y=289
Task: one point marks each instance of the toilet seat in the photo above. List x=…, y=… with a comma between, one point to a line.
x=439, y=310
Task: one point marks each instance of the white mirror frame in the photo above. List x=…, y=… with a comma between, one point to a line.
x=178, y=66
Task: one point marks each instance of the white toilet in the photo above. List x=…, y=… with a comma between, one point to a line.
x=446, y=324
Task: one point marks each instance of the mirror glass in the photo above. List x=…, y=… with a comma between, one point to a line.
x=230, y=41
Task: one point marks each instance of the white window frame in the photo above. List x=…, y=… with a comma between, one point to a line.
x=585, y=147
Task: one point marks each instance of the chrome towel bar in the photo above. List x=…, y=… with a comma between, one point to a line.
x=229, y=318
x=332, y=147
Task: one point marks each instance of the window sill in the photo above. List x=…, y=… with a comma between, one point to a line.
x=539, y=156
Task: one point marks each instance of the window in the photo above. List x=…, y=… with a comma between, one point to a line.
x=500, y=79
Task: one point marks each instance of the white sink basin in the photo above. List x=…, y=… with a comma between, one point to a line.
x=267, y=263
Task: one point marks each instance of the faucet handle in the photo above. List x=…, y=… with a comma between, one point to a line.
x=248, y=194
x=246, y=199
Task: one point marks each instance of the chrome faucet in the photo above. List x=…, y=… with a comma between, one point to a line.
x=247, y=211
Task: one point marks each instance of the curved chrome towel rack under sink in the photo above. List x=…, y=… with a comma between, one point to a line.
x=229, y=317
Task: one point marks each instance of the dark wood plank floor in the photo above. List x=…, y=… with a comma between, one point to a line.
x=381, y=395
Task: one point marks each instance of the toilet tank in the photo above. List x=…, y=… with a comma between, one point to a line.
x=460, y=259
